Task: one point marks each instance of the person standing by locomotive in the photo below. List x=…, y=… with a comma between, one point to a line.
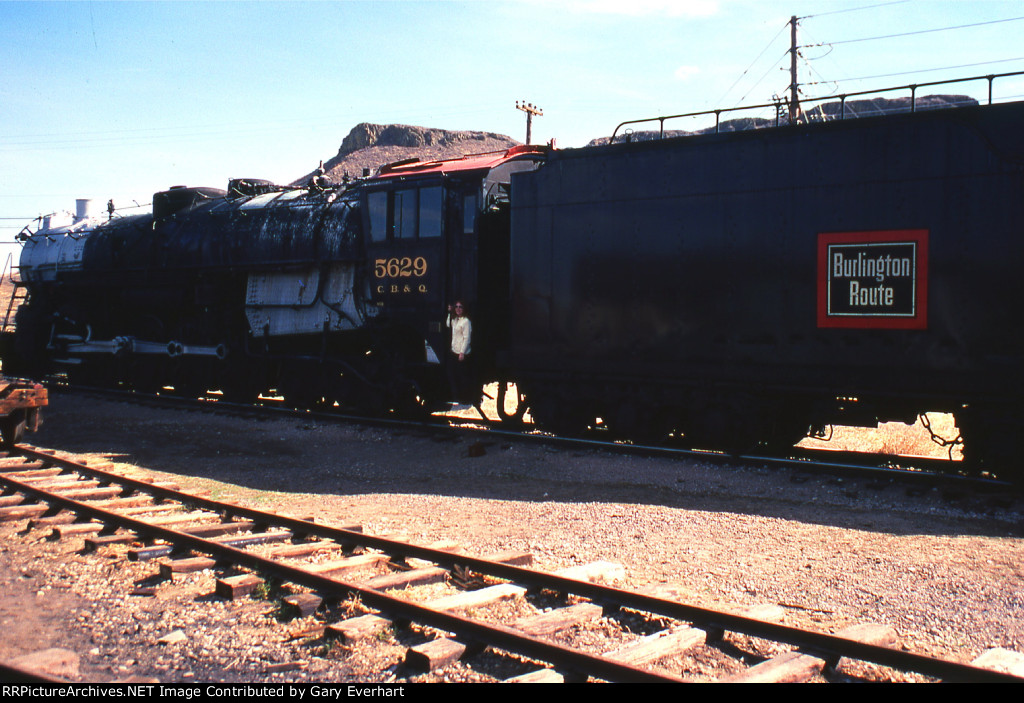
x=460, y=370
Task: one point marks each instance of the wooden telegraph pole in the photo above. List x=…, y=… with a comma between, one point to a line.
x=794, y=98
x=530, y=111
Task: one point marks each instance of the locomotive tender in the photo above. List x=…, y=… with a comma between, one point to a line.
x=743, y=287
x=739, y=288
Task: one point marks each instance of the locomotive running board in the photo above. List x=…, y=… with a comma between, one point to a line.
x=120, y=345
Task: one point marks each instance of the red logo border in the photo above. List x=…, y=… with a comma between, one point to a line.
x=896, y=236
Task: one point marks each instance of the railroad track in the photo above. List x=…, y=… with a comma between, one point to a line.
x=493, y=603
x=917, y=473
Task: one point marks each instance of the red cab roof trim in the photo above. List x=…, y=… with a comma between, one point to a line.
x=470, y=162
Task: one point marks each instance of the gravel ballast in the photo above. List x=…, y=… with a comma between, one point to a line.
x=945, y=571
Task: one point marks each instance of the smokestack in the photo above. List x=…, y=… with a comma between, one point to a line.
x=83, y=209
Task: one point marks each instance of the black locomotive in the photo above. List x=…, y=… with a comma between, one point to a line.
x=739, y=289
x=323, y=295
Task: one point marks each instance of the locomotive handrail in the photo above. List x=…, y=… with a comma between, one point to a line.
x=778, y=105
x=8, y=271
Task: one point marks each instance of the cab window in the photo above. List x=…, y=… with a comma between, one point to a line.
x=405, y=214
x=430, y=212
x=377, y=204
x=468, y=213
x=409, y=213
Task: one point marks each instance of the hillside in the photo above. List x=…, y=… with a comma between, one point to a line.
x=369, y=146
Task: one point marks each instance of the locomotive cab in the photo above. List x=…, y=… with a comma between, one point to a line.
x=437, y=232
x=403, y=225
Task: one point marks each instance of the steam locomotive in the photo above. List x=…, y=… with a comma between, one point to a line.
x=737, y=289
x=322, y=294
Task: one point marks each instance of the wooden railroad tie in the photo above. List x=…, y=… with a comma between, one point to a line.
x=798, y=666
x=444, y=651
x=370, y=625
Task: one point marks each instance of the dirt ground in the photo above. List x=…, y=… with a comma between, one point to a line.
x=945, y=570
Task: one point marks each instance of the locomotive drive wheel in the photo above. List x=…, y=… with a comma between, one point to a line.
x=241, y=381
x=146, y=376
x=242, y=393
x=514, y=418
x=407, y=401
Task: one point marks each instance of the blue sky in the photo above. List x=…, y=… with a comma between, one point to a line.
x=119, y=99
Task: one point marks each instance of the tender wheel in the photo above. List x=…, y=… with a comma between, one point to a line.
x=783, y=433
x=644, y=424
x=990, y=441
x=559, y=416
x=722, y=422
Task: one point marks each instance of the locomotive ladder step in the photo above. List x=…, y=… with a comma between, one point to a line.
x=20, y=293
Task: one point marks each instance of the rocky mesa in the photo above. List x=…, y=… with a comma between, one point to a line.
x=370, y=146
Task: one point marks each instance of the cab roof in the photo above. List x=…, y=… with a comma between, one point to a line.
x=470, y=162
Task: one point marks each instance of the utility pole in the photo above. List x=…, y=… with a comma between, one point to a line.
x=794, y=98
x=530, y=111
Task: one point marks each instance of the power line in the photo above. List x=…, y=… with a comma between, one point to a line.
x=833, y=44
x=770, y=69
x=822, y=78
x=767, y=46
x=855, y=9
x=907, y=73
x=920, y=31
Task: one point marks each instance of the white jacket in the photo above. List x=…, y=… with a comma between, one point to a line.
x=462, y=332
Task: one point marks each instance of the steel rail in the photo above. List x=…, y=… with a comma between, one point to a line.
x=831, y=646
x=917, y=469
x=15, y=674
x=497, y=635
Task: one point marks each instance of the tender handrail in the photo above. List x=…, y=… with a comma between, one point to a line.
x=717, y=113
x=778, y=105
